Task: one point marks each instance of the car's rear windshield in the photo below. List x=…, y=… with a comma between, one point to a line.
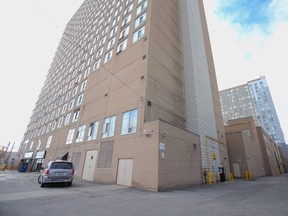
x=61, y=165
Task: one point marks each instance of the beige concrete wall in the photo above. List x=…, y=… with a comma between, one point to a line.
x=148, y=70
x=236, y=152
x=165, y=80
x=283, y=159
x=244, y=147
x=269, y=150
x=180, y=161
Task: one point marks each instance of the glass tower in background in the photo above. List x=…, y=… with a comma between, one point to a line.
x=253, y=99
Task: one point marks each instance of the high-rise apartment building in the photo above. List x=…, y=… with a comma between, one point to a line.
x=253, y=99
x=131, y=96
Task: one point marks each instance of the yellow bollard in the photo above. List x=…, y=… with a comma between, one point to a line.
x=231, y=178
x=246, y=175
x=250, y=175
x=209, y=177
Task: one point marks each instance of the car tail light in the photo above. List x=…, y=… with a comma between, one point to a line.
x=73, y=172
x=46, y=172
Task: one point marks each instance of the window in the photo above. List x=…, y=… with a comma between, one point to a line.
x=104, y=31
x=70, y=136
x=138, y=34
x=71, y=84
x=128, y=1
x=96, y=65
x=48, y=127
x=74, y=91
x=83, y=86
x=140, y=20
x=115, y=21
x=122, y=46
x=99, y=52
x=87, y=71
x=113, y=31
x=93, y=130
x=92, y=50
x=54, y=124
x=108, y=127
x=60, y=122
x=81, y=67
x=76, y=115
x=102, y=41
x=96, y=39
x=79, y=99
x=126, y=20
x=64, y=108
x=124, y=32
x=67, y=119
x=58, y=111
x=80, y=133
x=117, y=12
x=39, y=144
x=129, y=122
x=68, y=96
x=111, y=43
x=108, y=21
x=71, y=103
x=141, y=8
x=49, y=140
x=31, y=145
x=128, y=9
x=108, y=56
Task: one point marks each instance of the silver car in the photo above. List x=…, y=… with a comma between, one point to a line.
x=57, y=172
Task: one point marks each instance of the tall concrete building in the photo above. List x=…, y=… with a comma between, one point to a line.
x=253, y=99
x=131, y=96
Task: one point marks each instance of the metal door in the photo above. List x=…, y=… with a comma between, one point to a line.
x=89, y=165
x=236, y=169
x=124, y=175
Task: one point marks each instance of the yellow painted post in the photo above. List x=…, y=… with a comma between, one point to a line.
x=250, y=175
x=209, y=177
x=246, y=175
x=277, y=172
x=231, y=179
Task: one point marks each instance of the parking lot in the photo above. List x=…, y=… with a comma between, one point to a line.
x=20, y=194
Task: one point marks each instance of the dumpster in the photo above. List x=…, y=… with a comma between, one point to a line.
x=222, y=174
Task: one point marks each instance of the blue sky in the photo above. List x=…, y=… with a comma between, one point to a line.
x=248, y=14
x=249, y=39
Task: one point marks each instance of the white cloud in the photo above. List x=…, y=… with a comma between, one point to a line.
x=278, y=9
x=30, y=34
x=240, y=56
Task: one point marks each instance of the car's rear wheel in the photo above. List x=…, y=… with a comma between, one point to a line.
x=42, y=185
x=69, y=184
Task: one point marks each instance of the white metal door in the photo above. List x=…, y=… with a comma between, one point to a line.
x=124, y=175
x=89, y=165
x=236, y=169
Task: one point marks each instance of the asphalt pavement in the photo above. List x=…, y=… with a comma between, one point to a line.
x=20, y=194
